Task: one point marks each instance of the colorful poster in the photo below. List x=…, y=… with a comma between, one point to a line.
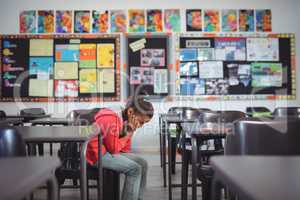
x=67, y=52
x=154, y=21
x=105, y=55
x=188, y=69
x=45, y=21
x=41, y=66
x=246, y=20
x=41, y=47
x=193, y=20
x=106, y=80
x=136, y=20
x=141, y=75
x=172, y=20
x=262, y=49
x=230, y=49
x=211, y=21
x=118, y=21
x=188, y=54
x=81, y=21
x=27, y=21
x=192, y=86
x=263, y=20
x=152, y=57
x=65, y=70
x=63, y=21
x=160, y=81
x=211, y=69
x=229, y=20
x=87, y=57
x=40, y=88
x=88, y=81
x=216, y=86
x=206, y=54
x=100, y=21
x=66, y=88
x=266, y=74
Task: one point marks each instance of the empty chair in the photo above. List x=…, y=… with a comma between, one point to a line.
x=32, y=111
x=258, y=112
x=11, y=143
x=287, y=112
x=2, y=114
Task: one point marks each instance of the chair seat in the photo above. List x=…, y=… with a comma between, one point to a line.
x=205, y=172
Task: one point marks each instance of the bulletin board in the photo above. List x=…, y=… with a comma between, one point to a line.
x=41, y=68
x=236, y=66
x=147, y=65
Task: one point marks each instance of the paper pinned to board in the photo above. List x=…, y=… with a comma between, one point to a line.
x=40, y=88
x=160, y=81
x=138, y=45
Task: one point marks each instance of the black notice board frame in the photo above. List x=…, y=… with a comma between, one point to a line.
x=153, y=41
x=19, y=94
x=287, y=56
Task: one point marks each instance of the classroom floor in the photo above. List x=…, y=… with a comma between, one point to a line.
x=154, y=190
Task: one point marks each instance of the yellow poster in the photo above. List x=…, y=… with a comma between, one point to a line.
x=106, y=81
x=40, y=88
x=105, y=55
x=88, y=81
x=41, y=47
x=65, y=70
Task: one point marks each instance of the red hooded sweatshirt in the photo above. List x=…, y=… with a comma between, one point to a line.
x=111, y=125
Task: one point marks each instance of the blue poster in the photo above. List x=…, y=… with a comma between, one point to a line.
x=67, y=53
x=188, y=54
x=230, y=49
x=40, y=65
x=189, y=69
x=193, y=86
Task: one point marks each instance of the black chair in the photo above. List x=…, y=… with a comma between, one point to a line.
x=11, y=143
x=2, y=114
x=287, y=112
x=252, y=111
x=32, y=112
x=205, y=172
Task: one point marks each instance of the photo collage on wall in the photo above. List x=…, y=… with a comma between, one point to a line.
x=230, y=65
x=145, y=20
x=147, y=62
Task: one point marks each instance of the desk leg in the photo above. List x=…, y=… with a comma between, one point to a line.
x=169, y=164
x=164, y=153
x=216, y=189
x=160, y=140
x=53, y=193
x=183, y=170
x=194, y=168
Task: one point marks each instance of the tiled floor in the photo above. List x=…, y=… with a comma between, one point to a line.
x=154, y=191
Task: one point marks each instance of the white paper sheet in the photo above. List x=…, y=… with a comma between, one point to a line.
x=262, y=49
x=160, y=81
x=211, y=69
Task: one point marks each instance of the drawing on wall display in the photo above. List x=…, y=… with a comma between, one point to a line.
x=266, y=74
x=105, y=55
x=229, y=20
x=45, y=21
x=211, y=21
x=141, y=75
x=154, y=21
x=63, y=21
x=100, y=21
x=66, y=88
x=263, y=20
x=188, y=54
x=206, y=54
x=160, y=81
x=172, y=20
x=41, y=66
x=40, y=88
x=233, y=74
x=118, y=21
x=87, y=56
x=188, y=69
x=244, y=74
x=81, y=21
x=66, y=70
x=211, y=69
x=216, y=86
x=230, y=49
x=262, y=49
x=88, y=81
x=67, y=52
x=152, y=57
x=136, y=20
x=194, y=20
x=246, y=20
x=27, y=20
x=192, y=86
x=41, y=47
x=105, y=80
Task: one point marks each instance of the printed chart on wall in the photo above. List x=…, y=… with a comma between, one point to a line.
x=147, y=61
x=60, y=68
x=229, y=66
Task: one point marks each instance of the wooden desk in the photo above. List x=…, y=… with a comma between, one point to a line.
x=20, y=176
x=258, y=177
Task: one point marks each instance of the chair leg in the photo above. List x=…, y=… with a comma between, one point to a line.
x=173, y=154
x=206, y=189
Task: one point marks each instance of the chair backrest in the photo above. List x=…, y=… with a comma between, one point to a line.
x=83, y=117
x=210, y=117
x=11, y=143
x=185, y=112
x=252, y=136
x=258, y=110
x=32, y=111
x=287, y=112
x=2, y=114
x=230, y=116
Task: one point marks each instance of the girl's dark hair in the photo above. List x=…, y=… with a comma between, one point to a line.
x=140, y=106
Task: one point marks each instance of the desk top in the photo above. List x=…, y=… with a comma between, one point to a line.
x=20, y=176
x=55, y=133
x=6, y=121
x=51, y=121
x=260, y=177
x=207, y=129
x=174, y=118
x=29, y=117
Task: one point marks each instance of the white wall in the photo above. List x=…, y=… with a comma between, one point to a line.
x=285, y=19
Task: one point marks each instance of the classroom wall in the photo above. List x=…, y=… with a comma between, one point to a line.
x=285, y=19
